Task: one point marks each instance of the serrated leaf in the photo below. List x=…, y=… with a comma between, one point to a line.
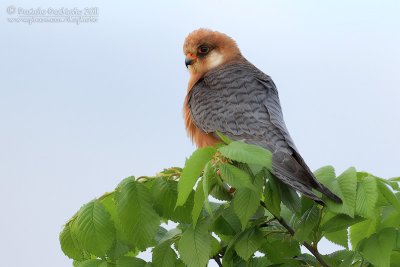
x=308, y=221
x=198, y=202
x=340, y=222
x=390, y=217
x=339, y=238
x=223, y=138
x=226, y=223
x=388, y=195
x=94, y=229
x=345, y=187
x=337, y=258
x=207, y=176
x=220, y=193
x=280, y=249
x=170, y=235
x=395, y=259
x=248, y=242
x=377, y=249
x=117, y=250
x=367, y=196
x=195, y=246
x=69, y=244
x=290, y=198
x=245, y=204
x=215, y=246
x=192, y=171
x=247, y=153
x=164, y=193
x=259, y=262
x=183, y=214
x=361, y=231
x=91, y=263
x=138, y=219
x=307, y=259
x=163, y=255
x=130, y=262
x=272, y=195
x=236, y=177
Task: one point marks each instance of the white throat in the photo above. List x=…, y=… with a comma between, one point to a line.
x=214, y=60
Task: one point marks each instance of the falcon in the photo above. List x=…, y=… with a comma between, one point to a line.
x=227, y=93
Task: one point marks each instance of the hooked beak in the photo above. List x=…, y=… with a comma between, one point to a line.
x=189, y=60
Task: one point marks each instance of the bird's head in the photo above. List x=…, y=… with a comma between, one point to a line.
x=206, y=49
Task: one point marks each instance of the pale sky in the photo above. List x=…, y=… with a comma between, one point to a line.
x=84, y=106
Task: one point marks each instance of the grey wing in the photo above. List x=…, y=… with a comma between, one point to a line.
x=242, y=102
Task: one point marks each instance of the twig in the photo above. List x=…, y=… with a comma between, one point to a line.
x=312, y=249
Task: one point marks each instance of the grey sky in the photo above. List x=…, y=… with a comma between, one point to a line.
x=84, y=106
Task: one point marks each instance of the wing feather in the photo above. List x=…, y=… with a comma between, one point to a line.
x=242, y=102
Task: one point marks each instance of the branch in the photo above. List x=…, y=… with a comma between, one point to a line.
x=312, y=249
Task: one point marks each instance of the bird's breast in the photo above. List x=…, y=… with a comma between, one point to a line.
x=198, y=136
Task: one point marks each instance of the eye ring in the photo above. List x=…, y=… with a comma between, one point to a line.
x=203, y=49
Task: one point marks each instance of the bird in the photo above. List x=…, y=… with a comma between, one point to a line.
x=228, y=94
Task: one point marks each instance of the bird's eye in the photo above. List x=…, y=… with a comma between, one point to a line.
x=203, y=49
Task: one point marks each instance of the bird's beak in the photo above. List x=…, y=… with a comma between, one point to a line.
x=189, y=60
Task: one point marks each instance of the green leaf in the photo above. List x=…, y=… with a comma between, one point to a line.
x=208, y=175
x=94, y=229
x=361, y=231
x=198, y=202
x=69, y=244
x=192, y=171
x=289, y=197
x=183, y=214
x=390, y=217
x=388, y=195
x=139, y=221
x=163, y=255
x=117, y=250
x=245, y=204
x=340, y=222
x=339, y=238
x=91, y=263
x=308, y=221
x=170, y=235
x=226, y=223
x=367, y=196
x=215, y=246
x=259, y=262
x=395, y=259
x=164, y=193
x=345, y=187
x=396, y=179
x=130, y=262
x=236, y=177
x=219, y=192
x=223, y=138
x=272, y=195
x=248, y=242
x=337, y=258
x=195, y=246
x=392, y=183
x=377, y=249
x=247, y=153
x=281, y=249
